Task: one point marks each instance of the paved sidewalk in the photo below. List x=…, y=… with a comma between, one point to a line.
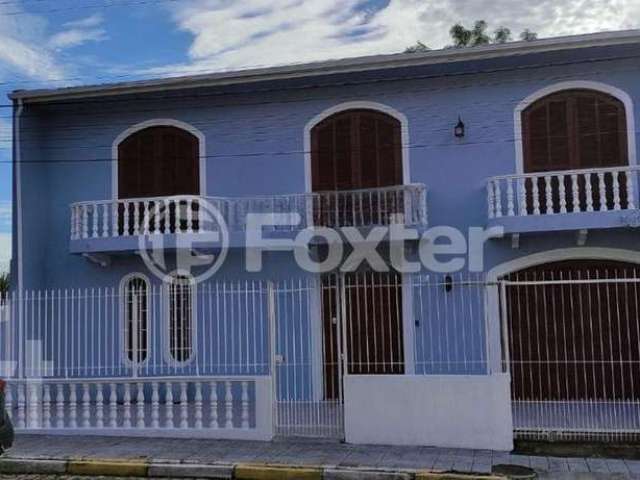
x=304, y=452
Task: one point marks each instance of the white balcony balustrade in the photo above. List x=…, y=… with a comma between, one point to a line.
x=561, y=192
x=403, y=204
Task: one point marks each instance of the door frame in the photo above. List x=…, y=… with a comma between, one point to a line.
x=408, y=332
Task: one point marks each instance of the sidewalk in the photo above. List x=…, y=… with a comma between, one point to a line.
x=328, y=455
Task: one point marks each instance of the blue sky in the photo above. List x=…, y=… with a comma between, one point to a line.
x=64, y=42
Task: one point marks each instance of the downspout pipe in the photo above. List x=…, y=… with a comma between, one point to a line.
x=18, y=108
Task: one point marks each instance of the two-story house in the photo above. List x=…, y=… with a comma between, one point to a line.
x=513, y=165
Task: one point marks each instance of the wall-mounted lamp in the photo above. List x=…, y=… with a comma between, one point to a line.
x=458, y=131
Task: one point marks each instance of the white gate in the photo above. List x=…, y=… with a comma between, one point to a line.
x=573, y=351
x=308, y=370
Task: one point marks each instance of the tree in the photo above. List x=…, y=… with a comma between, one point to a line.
x=463, y=37
x=502, y=35
x=4, y=287
x=417, y=48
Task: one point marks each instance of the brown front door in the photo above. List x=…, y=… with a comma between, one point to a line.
x=574, y=333
x=373, y=331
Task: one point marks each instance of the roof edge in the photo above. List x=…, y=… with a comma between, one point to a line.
x=331, y=67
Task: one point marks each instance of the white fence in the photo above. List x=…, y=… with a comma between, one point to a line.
x=214, y=407
x=404, y=204
x=571, y=191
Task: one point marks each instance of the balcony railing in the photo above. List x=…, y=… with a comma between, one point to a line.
x=403, y=204
x=561, y=192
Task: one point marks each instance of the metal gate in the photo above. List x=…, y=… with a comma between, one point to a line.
x=326, y=327
x=573, y=351
x=308, y=366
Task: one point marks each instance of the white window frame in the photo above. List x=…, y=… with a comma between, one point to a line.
x=124, y=283
x=169, y=280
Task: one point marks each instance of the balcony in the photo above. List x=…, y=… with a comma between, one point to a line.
x=577, y=200
x=117, y=225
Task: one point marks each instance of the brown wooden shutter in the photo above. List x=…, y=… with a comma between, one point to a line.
x=158, y=161
x=574, y=129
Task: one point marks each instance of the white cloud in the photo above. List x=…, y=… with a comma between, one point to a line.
x=5, y=251
x=79, y=32
x=229, y=34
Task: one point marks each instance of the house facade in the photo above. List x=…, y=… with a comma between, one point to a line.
x=514, y=311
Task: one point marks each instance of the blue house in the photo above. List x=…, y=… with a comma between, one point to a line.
x=433, y=248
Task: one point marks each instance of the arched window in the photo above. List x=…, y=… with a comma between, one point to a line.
x=575, y=129
x=357, y=149
x=180, y=317
x=135, y=294
x=158, y=161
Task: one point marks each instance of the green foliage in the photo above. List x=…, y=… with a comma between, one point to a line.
x=463, y=37
x=417, y=48
x=4, y=285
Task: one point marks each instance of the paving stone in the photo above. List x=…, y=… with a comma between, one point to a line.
x=558, y=465
x=597, y=465
x=578, y=465
x=617, y=466
x=633, y=466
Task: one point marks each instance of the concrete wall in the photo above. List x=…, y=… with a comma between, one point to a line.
x=447, y=411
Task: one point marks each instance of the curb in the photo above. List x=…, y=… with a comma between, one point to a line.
x=142, y=468
x=94, y=468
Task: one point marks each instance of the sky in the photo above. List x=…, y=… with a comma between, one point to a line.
x=46, y=43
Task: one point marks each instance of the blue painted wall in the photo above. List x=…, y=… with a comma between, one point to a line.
x=255, y=147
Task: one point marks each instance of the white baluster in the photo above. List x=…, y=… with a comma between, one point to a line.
x=73, y=405
x=575, y=193
x=189, y=203
x=630, y=189
x=99, y=406
x=548, y=195
x=114, y=219
x=498, y=199
x=85, y=221
x=510, y=202
x=140, y=406
x=86, y=399
x=213, y=400
x=535, y=192
x=136, y=217
x=126, y=218
x=33, y=414
x=588, y=191
x=177, y=226
x=184, y=406
x=156, y=217
x=95, y=209
x=155, y=406
x=8, y=400
x=245, y=405
x=562, y=192
x=616, y=189
x=147, y=217
x=72, y=222
x=522, y=197
x=228, y=403
x=113, y=406
x=126, y=404
x=105, y=219
x=167, y=216
x=46, y=405
x=602, y=192
x=60, y=406
x=168, y=403
x=21, y=407
x=198, y=405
